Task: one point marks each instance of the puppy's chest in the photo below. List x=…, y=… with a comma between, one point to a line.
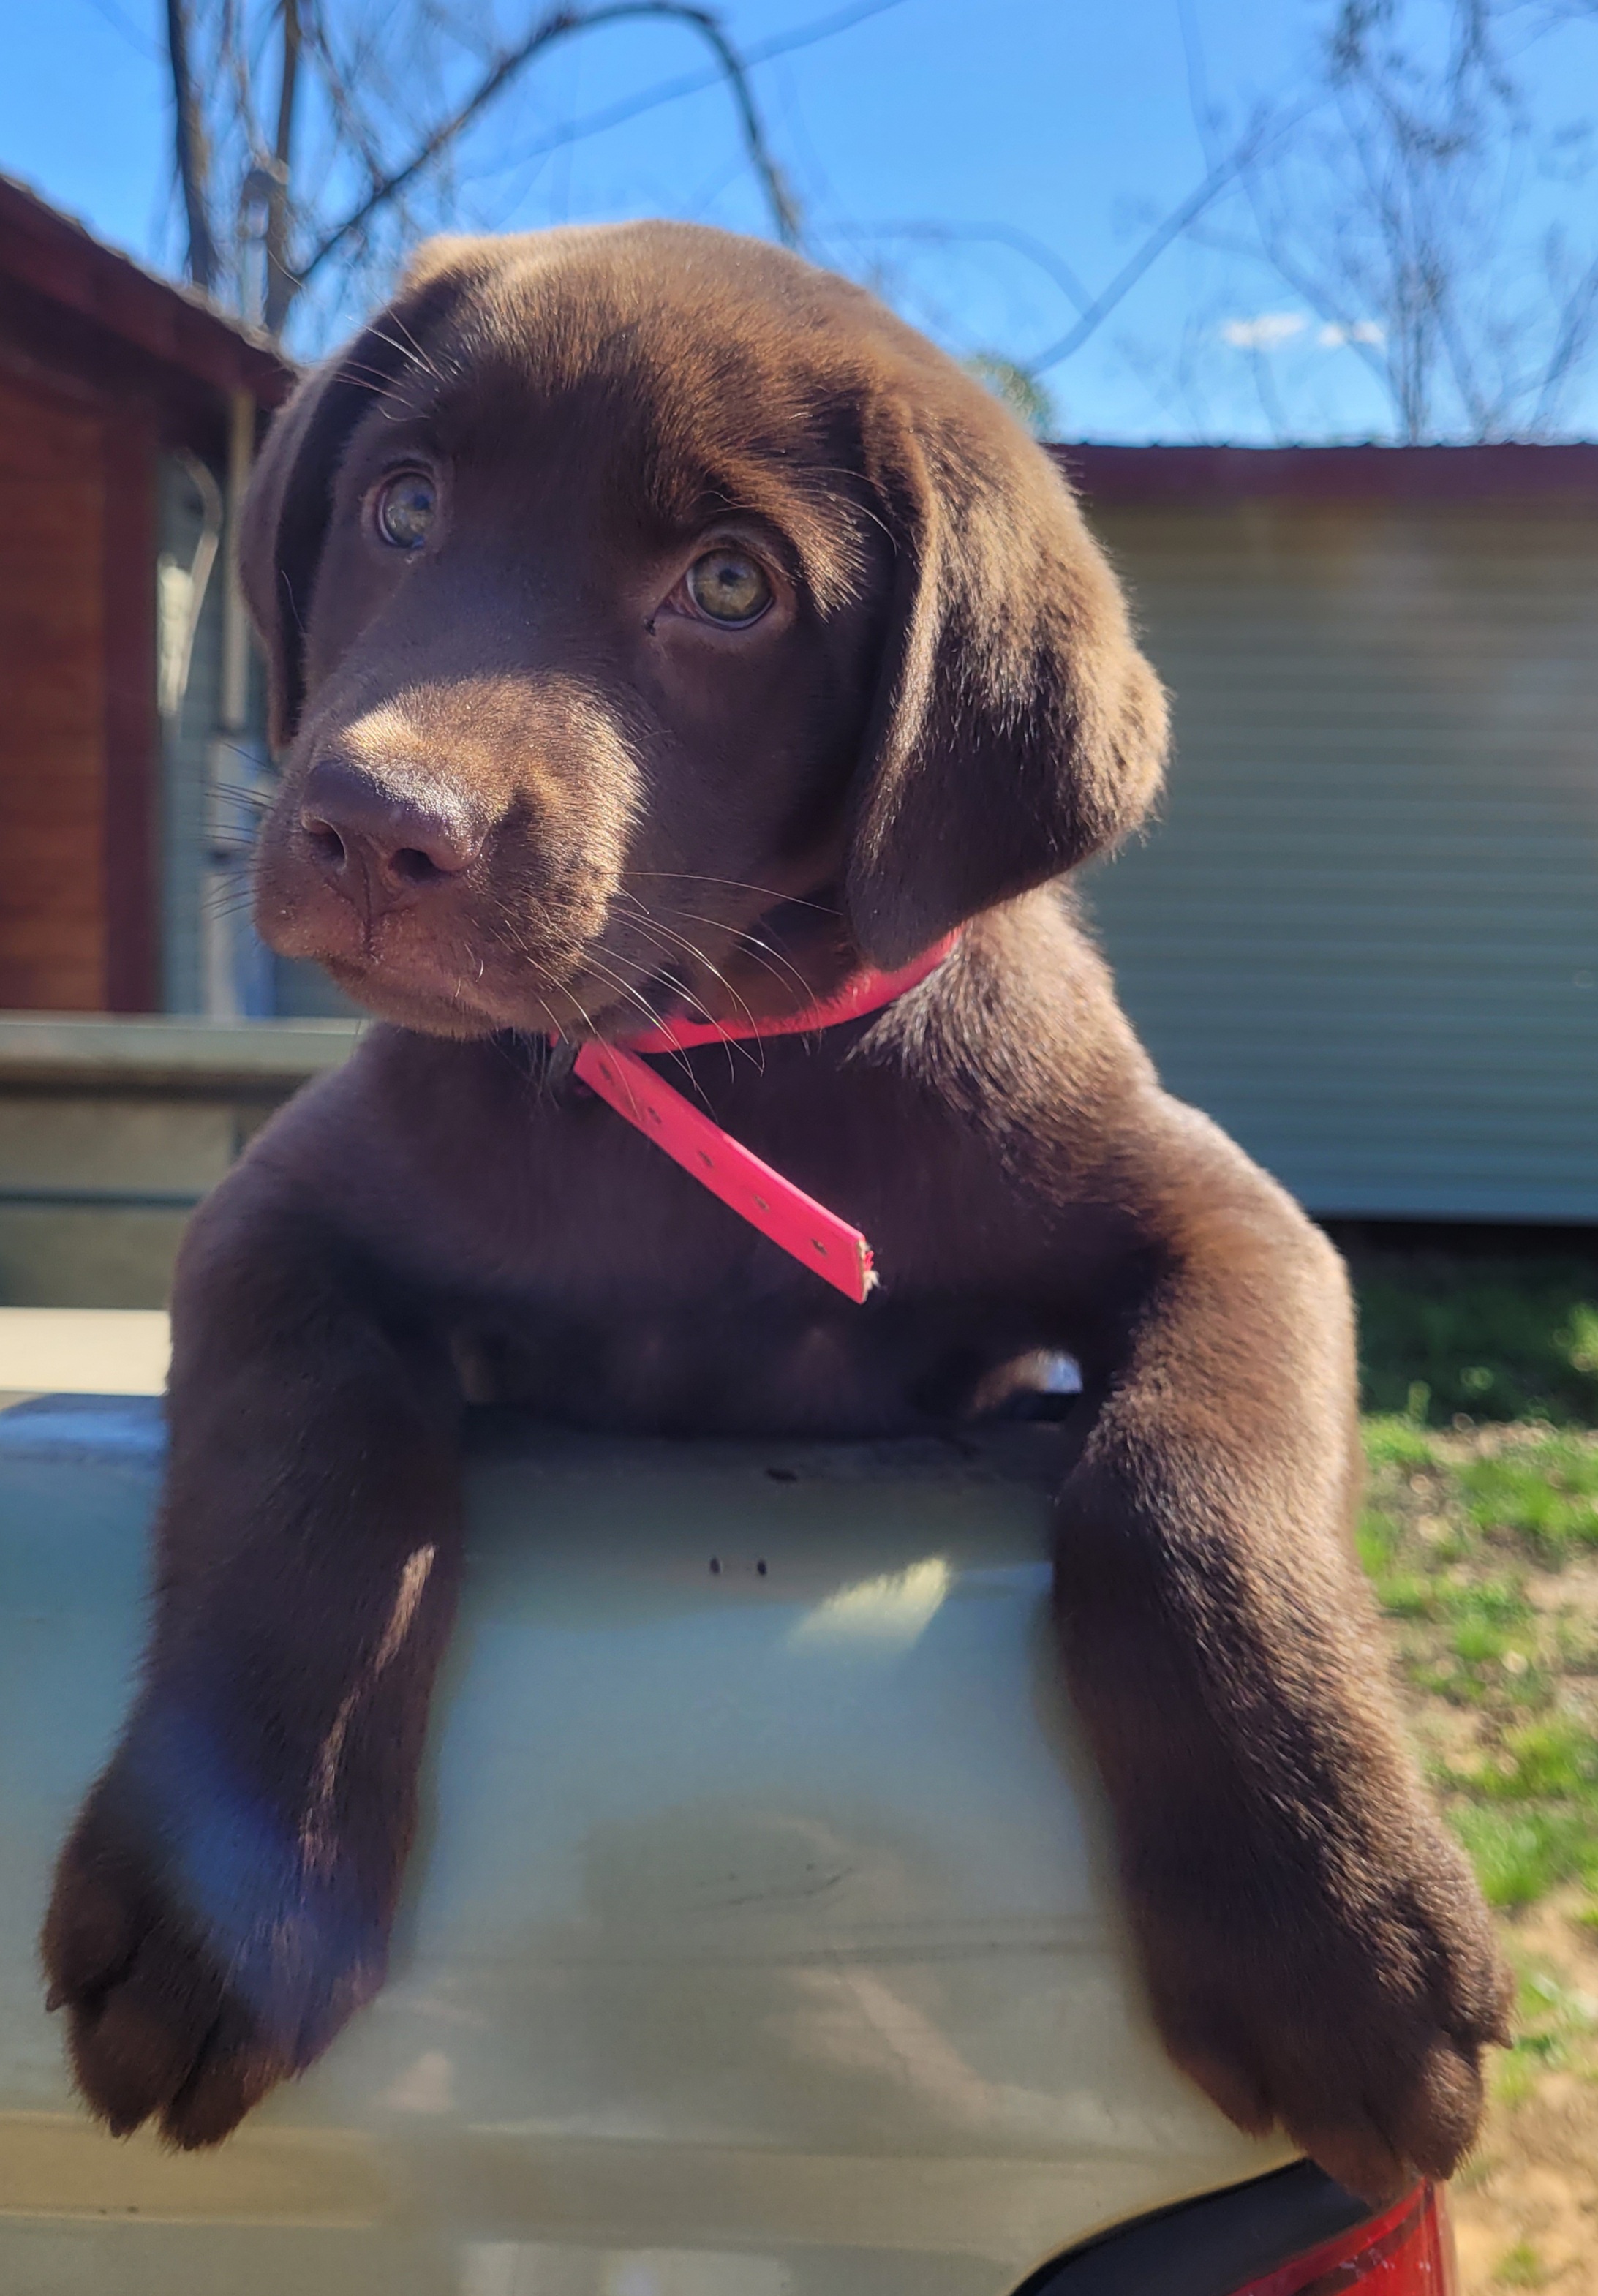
x=769, y=1368
x=563, y=1200
x=600, y=1283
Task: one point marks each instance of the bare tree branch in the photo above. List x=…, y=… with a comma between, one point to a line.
x=282, y=286
x=1182, y=218
x=561, y=25
x=1023, y=243
x=672, y=91
x=193, y=156
x=1401, y=224
x=358, y=82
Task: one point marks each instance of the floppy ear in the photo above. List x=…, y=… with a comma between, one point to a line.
x=1017, y=728
x=290, y=500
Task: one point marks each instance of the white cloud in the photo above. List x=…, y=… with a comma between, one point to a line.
x=1266, y=333
x=1360, y=330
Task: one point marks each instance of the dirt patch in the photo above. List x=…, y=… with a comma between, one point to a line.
x=1526, y=2208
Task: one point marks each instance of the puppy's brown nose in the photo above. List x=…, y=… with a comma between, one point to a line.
x=399, y=841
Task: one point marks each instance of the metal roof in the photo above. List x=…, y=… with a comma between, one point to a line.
x=1121, y=477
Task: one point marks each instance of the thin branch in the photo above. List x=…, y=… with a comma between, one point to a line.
x=561, y=25
x=190, y=145
x=1181, y=216
x=673, y=91
x=1575, y=328
x=233, y=55
x=999, y=235
x=281, y=282
x=340, y=95
x=282, y=145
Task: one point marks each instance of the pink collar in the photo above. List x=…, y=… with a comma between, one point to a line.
x=836, y=1252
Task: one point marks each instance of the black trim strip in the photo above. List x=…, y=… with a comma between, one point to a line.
x=1212, y=2246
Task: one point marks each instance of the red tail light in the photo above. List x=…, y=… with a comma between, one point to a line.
x=1408, y=2251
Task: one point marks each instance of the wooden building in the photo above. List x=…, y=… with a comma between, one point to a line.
x=1364, y=932
x=119, y=394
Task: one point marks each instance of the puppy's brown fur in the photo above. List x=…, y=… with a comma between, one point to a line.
x=530, y=788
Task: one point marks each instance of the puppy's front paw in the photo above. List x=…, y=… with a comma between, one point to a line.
x=1347, y=1997
x=200, y=1960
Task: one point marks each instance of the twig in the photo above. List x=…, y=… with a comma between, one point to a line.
x=192, y=159
x=561, y=25
x=1186, y=212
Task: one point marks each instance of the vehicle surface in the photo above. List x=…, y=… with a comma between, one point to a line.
x=760, y=1940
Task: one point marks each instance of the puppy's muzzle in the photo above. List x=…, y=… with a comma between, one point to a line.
x=381, y=845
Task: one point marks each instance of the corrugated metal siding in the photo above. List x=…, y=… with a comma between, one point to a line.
x=1365, y=935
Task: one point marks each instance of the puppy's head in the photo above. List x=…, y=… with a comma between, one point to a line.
x=654, y=621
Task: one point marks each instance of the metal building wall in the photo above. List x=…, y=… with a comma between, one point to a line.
x=1364, y=934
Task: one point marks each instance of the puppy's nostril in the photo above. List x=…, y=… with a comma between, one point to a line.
x=326, y=844
x=397, y=841
x=414, y=867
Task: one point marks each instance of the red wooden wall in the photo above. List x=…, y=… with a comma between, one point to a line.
x=78, y=713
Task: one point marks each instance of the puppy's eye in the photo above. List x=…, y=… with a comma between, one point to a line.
x=729, y=587
x=404, y=508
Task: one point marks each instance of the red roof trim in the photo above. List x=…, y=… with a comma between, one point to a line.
x=56, y=257
x=1111, y=477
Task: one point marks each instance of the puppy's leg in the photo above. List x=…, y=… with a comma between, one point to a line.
x=1318, y=1952
x=224, y=1901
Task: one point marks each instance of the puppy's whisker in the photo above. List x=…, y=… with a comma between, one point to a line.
x=229, y=901
x=422, y=357
x=663, y=939
x=758, y=1056
x=510, y=941
x=378, y=386
x=738, y=885
x=411, y=352
x=850, y=500
x=617, y=980
x=746, y=940
x=674, y=1054
x=656, y=936
x=245, y=750
x=790, y=974
x=509, y=938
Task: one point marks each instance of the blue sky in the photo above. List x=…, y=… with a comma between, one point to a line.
x=1066, y=123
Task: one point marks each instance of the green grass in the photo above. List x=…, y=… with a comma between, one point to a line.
x=1520, y=2266
x=1444, y=1335
x=1546, y=1493
x=1554, y=2028
x=1519, y=1854
x=1455, y=1526
x=1553, y=1756
x=1398, y=1439
x=1482, y=1442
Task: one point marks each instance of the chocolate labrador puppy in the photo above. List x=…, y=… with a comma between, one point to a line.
x=658, y=626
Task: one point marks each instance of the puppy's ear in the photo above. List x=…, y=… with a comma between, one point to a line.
x=1016, y=729
x=290, y=500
